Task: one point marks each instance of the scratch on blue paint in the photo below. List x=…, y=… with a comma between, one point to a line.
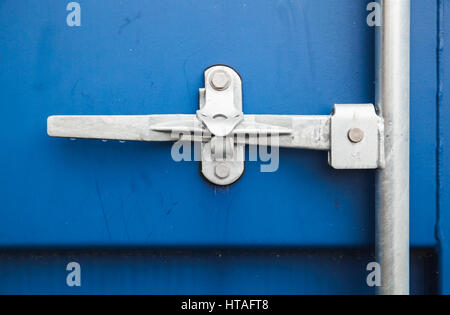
x=103, y=209
x=128, y=21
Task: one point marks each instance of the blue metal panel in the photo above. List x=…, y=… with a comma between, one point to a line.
x=143, y=57
x=148, y=57
x=423, y=187
x=443, y=231
x=201, y=272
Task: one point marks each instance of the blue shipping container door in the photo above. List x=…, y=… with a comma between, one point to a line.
x=137, y=221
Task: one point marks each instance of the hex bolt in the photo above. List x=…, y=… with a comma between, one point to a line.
x=222, y=170
x=220, y=80
x=355, y=135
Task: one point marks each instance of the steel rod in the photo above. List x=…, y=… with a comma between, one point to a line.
x=392, y=183
x=296, y=131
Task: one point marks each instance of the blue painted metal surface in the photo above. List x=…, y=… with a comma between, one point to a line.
x=148, y=57
x=443, y=226
x=202, y=272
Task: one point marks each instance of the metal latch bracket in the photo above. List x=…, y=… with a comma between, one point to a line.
x=353, y=134
x=357, y=137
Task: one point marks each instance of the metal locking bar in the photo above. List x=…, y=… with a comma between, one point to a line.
x=353, y=134
x=392, y=182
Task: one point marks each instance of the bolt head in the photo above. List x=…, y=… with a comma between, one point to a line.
x=222, y=170
x=355, y=135
x=220, y=80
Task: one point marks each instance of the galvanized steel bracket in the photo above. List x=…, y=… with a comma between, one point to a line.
x=353, y=134
x=220, y=112
x=357, y=137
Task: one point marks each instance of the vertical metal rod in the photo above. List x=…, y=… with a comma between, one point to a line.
x=392, y=183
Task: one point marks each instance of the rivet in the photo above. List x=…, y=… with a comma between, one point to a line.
x=355, y=135
x=222, y=170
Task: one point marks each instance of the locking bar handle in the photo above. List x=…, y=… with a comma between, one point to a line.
x=353, y=134
x=296, y=131
x=301, y=132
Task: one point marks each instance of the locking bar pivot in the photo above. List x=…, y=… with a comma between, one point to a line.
x=353, y=134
